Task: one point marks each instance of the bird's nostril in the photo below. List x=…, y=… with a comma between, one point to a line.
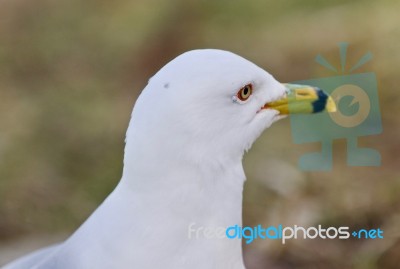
x=302, y=94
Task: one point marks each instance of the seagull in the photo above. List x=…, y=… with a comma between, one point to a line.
x=188, y=132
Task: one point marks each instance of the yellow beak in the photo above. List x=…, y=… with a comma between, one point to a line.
x=303, y=99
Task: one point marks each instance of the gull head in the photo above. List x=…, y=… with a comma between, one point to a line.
x=209, y=103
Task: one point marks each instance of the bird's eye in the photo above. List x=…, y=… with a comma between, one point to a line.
x=245, y=92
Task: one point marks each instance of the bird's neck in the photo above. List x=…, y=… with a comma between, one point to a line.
x=175, y=209
x=186, y=206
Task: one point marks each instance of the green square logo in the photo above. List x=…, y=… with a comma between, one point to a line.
x=358, y=114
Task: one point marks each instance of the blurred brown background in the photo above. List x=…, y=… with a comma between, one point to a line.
x=70, y=72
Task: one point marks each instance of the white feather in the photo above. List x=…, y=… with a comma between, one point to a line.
x=182, y=165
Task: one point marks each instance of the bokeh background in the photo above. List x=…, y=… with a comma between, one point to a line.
x=70, y=72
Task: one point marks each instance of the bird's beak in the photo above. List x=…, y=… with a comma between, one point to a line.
x=302, y=99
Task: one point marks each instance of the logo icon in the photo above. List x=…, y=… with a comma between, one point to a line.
x=356, y=97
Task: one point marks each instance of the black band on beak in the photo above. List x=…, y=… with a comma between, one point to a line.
x=319, y=104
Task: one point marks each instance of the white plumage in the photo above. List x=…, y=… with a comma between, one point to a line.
x=182, y=165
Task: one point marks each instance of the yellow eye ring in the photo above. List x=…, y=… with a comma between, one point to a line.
x=245, y=92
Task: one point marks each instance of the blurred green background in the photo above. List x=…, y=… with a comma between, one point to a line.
x=70, y=72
